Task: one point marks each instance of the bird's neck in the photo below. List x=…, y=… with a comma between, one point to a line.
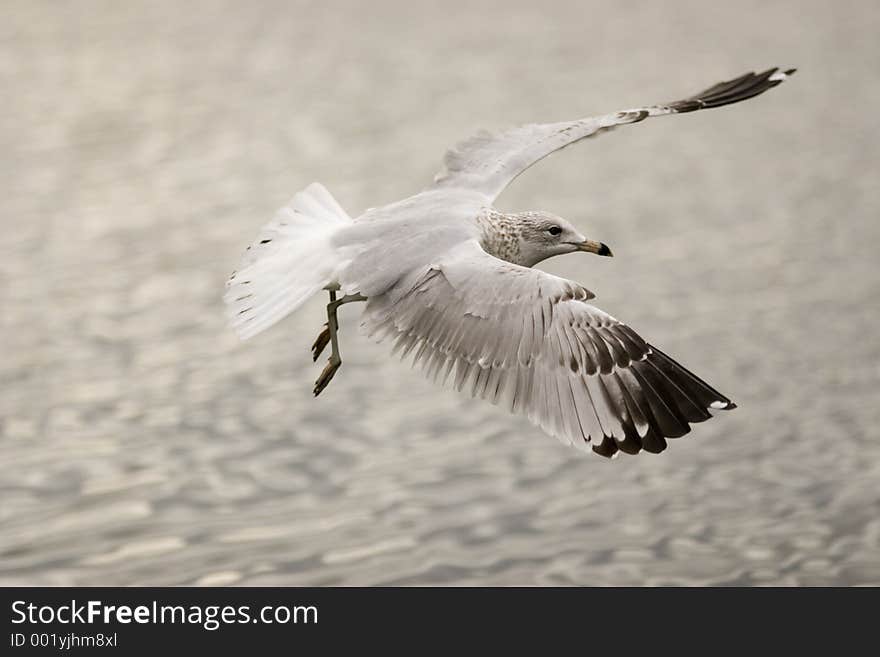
x=500, y=236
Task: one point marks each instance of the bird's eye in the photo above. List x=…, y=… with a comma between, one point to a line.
x=554, y=230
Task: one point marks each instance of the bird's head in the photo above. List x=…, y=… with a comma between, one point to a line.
x=541, y=235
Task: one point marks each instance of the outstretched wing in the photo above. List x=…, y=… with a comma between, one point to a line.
x=487, y=163
x=529, y=340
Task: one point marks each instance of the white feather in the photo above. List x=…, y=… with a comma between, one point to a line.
x=291, y=259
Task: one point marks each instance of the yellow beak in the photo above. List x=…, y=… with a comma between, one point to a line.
x=599, y=248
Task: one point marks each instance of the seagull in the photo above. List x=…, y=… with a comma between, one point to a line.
x=450, y=280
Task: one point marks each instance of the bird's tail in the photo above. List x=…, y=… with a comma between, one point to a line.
x=291, y=259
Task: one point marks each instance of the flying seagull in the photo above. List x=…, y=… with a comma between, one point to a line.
x=449, y=279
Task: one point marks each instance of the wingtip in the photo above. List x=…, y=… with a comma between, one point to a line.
x=779, y=76
x=733, y=91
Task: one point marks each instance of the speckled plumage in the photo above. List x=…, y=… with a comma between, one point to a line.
x=500, y=234
x=522, y=238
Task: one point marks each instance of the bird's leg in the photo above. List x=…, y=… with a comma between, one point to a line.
x=329, y=334
x=323, y=338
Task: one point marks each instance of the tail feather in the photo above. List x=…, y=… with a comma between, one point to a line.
x=291, y=259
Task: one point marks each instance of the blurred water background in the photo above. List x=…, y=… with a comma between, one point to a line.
x=145, y=143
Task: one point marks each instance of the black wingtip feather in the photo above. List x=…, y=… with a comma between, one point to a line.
x=606, y=448
x=732, y=91
x=653, y=443
x=696, y=387
x=665, y=394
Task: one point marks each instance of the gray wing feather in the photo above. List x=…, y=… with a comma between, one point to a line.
x=530, y=341
x=488, y=163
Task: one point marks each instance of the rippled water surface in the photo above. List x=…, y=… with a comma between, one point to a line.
x=145, y=143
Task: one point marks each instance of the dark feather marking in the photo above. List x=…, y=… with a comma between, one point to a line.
x=607, y=447
x=732, y=91
x=668, y=421
x=701, y=391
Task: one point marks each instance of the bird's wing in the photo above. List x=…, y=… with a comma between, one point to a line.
x=529, y=340
x=487, y=162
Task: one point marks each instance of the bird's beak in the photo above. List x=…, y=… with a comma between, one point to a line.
x=599, y=248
